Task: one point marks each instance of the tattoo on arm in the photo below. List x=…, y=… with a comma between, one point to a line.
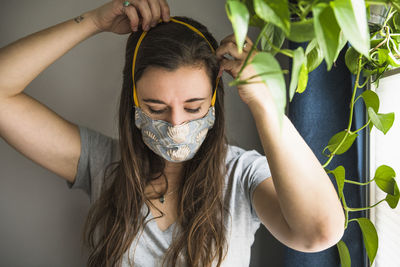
x=78, y=19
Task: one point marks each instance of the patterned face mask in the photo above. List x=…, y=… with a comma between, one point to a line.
x=174, y=143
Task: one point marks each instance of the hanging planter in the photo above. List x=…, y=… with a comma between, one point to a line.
x=377, y=17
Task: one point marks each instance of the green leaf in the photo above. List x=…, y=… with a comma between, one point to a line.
x=392, y=60
x=375, y=42
x=314, y=55
x=370, y=237
x=337, y=138
x=298, y=60
x=272, y=35
x=342, y=43
x=381, y=56
x=266, y=63
x=396, y=21
x=303, y=79
x=351, y=16
x=256, y=21
x=239, y=16
x=396, y=4
x=351, y=59
x=340, y=175
x=371, y=99
x=302, y=31
x=327, y=32
x=384, y=176
x=274, y=11
x=344, y=254
x=393, y=200
x=382, y=122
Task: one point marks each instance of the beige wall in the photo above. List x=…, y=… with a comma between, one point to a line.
x=41, y=219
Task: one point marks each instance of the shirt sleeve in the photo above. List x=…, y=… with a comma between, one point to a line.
x=97, y=151
x=255, y=169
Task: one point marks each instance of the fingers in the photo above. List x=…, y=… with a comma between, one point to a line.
x=155, y=12
x=144, y=9
x=133, y=16
x=149, y=11
x=165, y=10
x=230, y=66
x=231, y=38
x=228, y=47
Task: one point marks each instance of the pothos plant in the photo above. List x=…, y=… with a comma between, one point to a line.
x=326, y=26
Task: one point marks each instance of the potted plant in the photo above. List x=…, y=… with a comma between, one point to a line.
x=373, y=30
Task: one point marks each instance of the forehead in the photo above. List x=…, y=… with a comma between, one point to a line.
x=178, y=85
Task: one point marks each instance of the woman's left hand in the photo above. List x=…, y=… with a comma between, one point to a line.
x=256, y=91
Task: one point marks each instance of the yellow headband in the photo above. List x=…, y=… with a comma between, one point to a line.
x=137, y=48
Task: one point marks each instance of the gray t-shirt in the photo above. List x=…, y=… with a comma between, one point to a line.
x=245, y=170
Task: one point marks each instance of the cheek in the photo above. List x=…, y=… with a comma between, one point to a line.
x=204, y=110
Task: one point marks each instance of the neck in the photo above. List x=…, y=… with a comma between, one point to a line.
x=173, y=171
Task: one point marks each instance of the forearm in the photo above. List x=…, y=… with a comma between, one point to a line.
x=23, y=60
x=307, y=197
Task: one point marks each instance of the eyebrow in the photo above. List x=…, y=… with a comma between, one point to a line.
x=156, y=101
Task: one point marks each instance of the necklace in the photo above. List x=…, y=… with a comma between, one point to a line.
x=162, y=198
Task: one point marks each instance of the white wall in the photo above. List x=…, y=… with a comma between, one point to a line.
x=384, y=150
x=41, y=219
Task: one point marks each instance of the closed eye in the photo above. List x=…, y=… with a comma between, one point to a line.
x=160, y=111
x=192, y=110
x=156, y=111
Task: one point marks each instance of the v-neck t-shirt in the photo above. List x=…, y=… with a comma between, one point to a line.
x=245, y=171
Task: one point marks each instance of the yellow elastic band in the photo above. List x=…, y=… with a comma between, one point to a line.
x=135, y=99
x=133, y=68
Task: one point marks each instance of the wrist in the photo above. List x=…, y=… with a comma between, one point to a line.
x=89, y=19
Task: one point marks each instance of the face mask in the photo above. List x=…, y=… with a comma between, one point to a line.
x=174, y=143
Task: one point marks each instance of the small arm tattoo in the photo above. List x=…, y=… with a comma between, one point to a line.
x=79, y=19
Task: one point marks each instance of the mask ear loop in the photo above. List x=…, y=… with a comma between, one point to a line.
x=135, y=99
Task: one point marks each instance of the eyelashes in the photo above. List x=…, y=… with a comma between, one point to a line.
x=153, y=111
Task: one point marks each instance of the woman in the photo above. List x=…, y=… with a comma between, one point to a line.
x=170, y=191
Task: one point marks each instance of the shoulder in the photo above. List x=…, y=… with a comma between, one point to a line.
x=98, y=143
x=235, y=154
x=247, y=167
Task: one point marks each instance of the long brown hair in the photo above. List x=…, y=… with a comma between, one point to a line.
x=115, y=219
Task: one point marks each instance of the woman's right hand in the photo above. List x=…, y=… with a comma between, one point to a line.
x=114, y=17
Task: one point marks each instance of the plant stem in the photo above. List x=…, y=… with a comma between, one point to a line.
x=336, y=149
x=351, y=113
x=251, y=51
x=354, y=92
x=369, y=121
x=366, y=208
x=282, y=51
x=389, y=16
x=346, y=212
x=354, y=182
x=247, y=81
x=375, y=3
x=307, y=10
x=357, y=98
x=362, y=85
x=266, y=73
x=240, y=82
x=380, y=44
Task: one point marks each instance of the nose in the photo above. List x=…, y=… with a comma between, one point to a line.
x=176, y=117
